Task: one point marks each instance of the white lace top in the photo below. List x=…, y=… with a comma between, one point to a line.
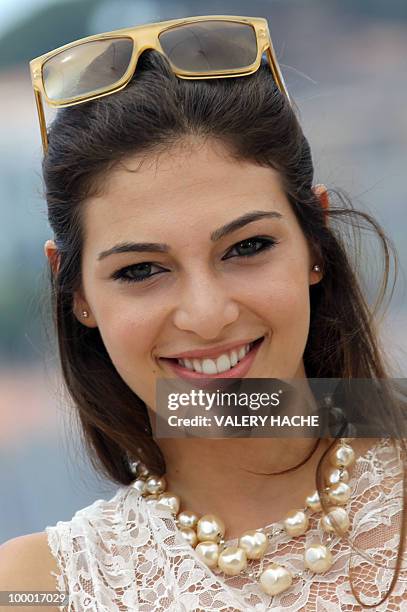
x=124, y=555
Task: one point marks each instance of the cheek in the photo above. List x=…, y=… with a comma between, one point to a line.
x=288, y=316
x=128, y=334
x=129, y=338
x=286, y=306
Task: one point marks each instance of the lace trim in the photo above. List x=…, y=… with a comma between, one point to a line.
x=61, y=579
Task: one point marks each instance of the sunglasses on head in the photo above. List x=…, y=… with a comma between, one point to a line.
x=214, y=46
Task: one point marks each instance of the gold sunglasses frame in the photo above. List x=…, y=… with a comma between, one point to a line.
x=146, y=36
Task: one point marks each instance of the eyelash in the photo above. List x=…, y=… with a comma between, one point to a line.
x=267, y=243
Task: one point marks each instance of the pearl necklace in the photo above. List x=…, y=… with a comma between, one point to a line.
x=206, y=533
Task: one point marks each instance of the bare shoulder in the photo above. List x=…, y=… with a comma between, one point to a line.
x=26, y=563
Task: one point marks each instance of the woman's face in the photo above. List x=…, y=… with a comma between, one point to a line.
x=199, y=291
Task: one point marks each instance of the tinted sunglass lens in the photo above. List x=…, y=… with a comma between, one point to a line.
x=86, y=68
x=210, y=46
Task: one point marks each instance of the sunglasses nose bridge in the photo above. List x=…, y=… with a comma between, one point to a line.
x=143, y=40
x=146, y=39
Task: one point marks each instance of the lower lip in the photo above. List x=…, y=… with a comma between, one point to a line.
x=238, y=371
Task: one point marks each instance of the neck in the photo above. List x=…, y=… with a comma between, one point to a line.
x=236, y=478
x=229, y=477
x=233, y=477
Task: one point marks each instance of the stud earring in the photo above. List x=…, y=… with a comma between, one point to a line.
x=85, y=314
x=316, y=268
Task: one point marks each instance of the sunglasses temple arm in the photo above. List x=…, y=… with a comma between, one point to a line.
x=41, y=117
x=277, y=74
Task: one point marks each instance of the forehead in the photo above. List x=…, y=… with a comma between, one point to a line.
x=193, y=183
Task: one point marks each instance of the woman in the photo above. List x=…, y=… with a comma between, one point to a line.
x=190, y=243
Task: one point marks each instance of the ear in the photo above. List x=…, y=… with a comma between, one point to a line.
x=79, y=302
x=322, y=194
x=316, y=273
x=51, y=252
x=79, y=306
x=315, y=276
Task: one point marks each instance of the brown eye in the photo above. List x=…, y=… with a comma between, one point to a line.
x=252, y=246
x=136, y=273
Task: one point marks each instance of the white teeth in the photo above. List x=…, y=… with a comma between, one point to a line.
x=209, y=367
x=223, y=363
x=241, y=353
x=197, y=365
x=216, y=366
x=233, y=358
x=188, y=364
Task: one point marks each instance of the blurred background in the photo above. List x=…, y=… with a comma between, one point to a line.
x=344, y=62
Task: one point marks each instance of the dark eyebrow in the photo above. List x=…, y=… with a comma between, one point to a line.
x=135, y=247
x=255, y=215
x=157, y=247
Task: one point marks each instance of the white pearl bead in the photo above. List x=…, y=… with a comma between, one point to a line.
x=232, y=560
x=189, y=536
x=143, y=469
x=254, y=543
x=169, y=501
x=317, y=558
x=340, y=517
x=208, y=553
x=313, y=502
x=339, y=494
x=275, y=579
x=210, y=527
x=133, y=467
x=337, y=475
x=342, y=456
x=139, y=485
x=187, y=518
x=296, y=522
x=155, y=484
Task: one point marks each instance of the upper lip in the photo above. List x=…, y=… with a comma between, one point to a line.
x=213, y=351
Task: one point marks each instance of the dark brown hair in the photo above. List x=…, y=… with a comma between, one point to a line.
x=254, y=121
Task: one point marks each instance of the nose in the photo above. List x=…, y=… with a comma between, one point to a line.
x=205, y=307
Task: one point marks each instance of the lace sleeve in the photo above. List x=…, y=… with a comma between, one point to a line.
x=53, y=538
x=91, y=561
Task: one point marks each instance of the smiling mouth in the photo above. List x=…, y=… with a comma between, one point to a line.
x=226, y=362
